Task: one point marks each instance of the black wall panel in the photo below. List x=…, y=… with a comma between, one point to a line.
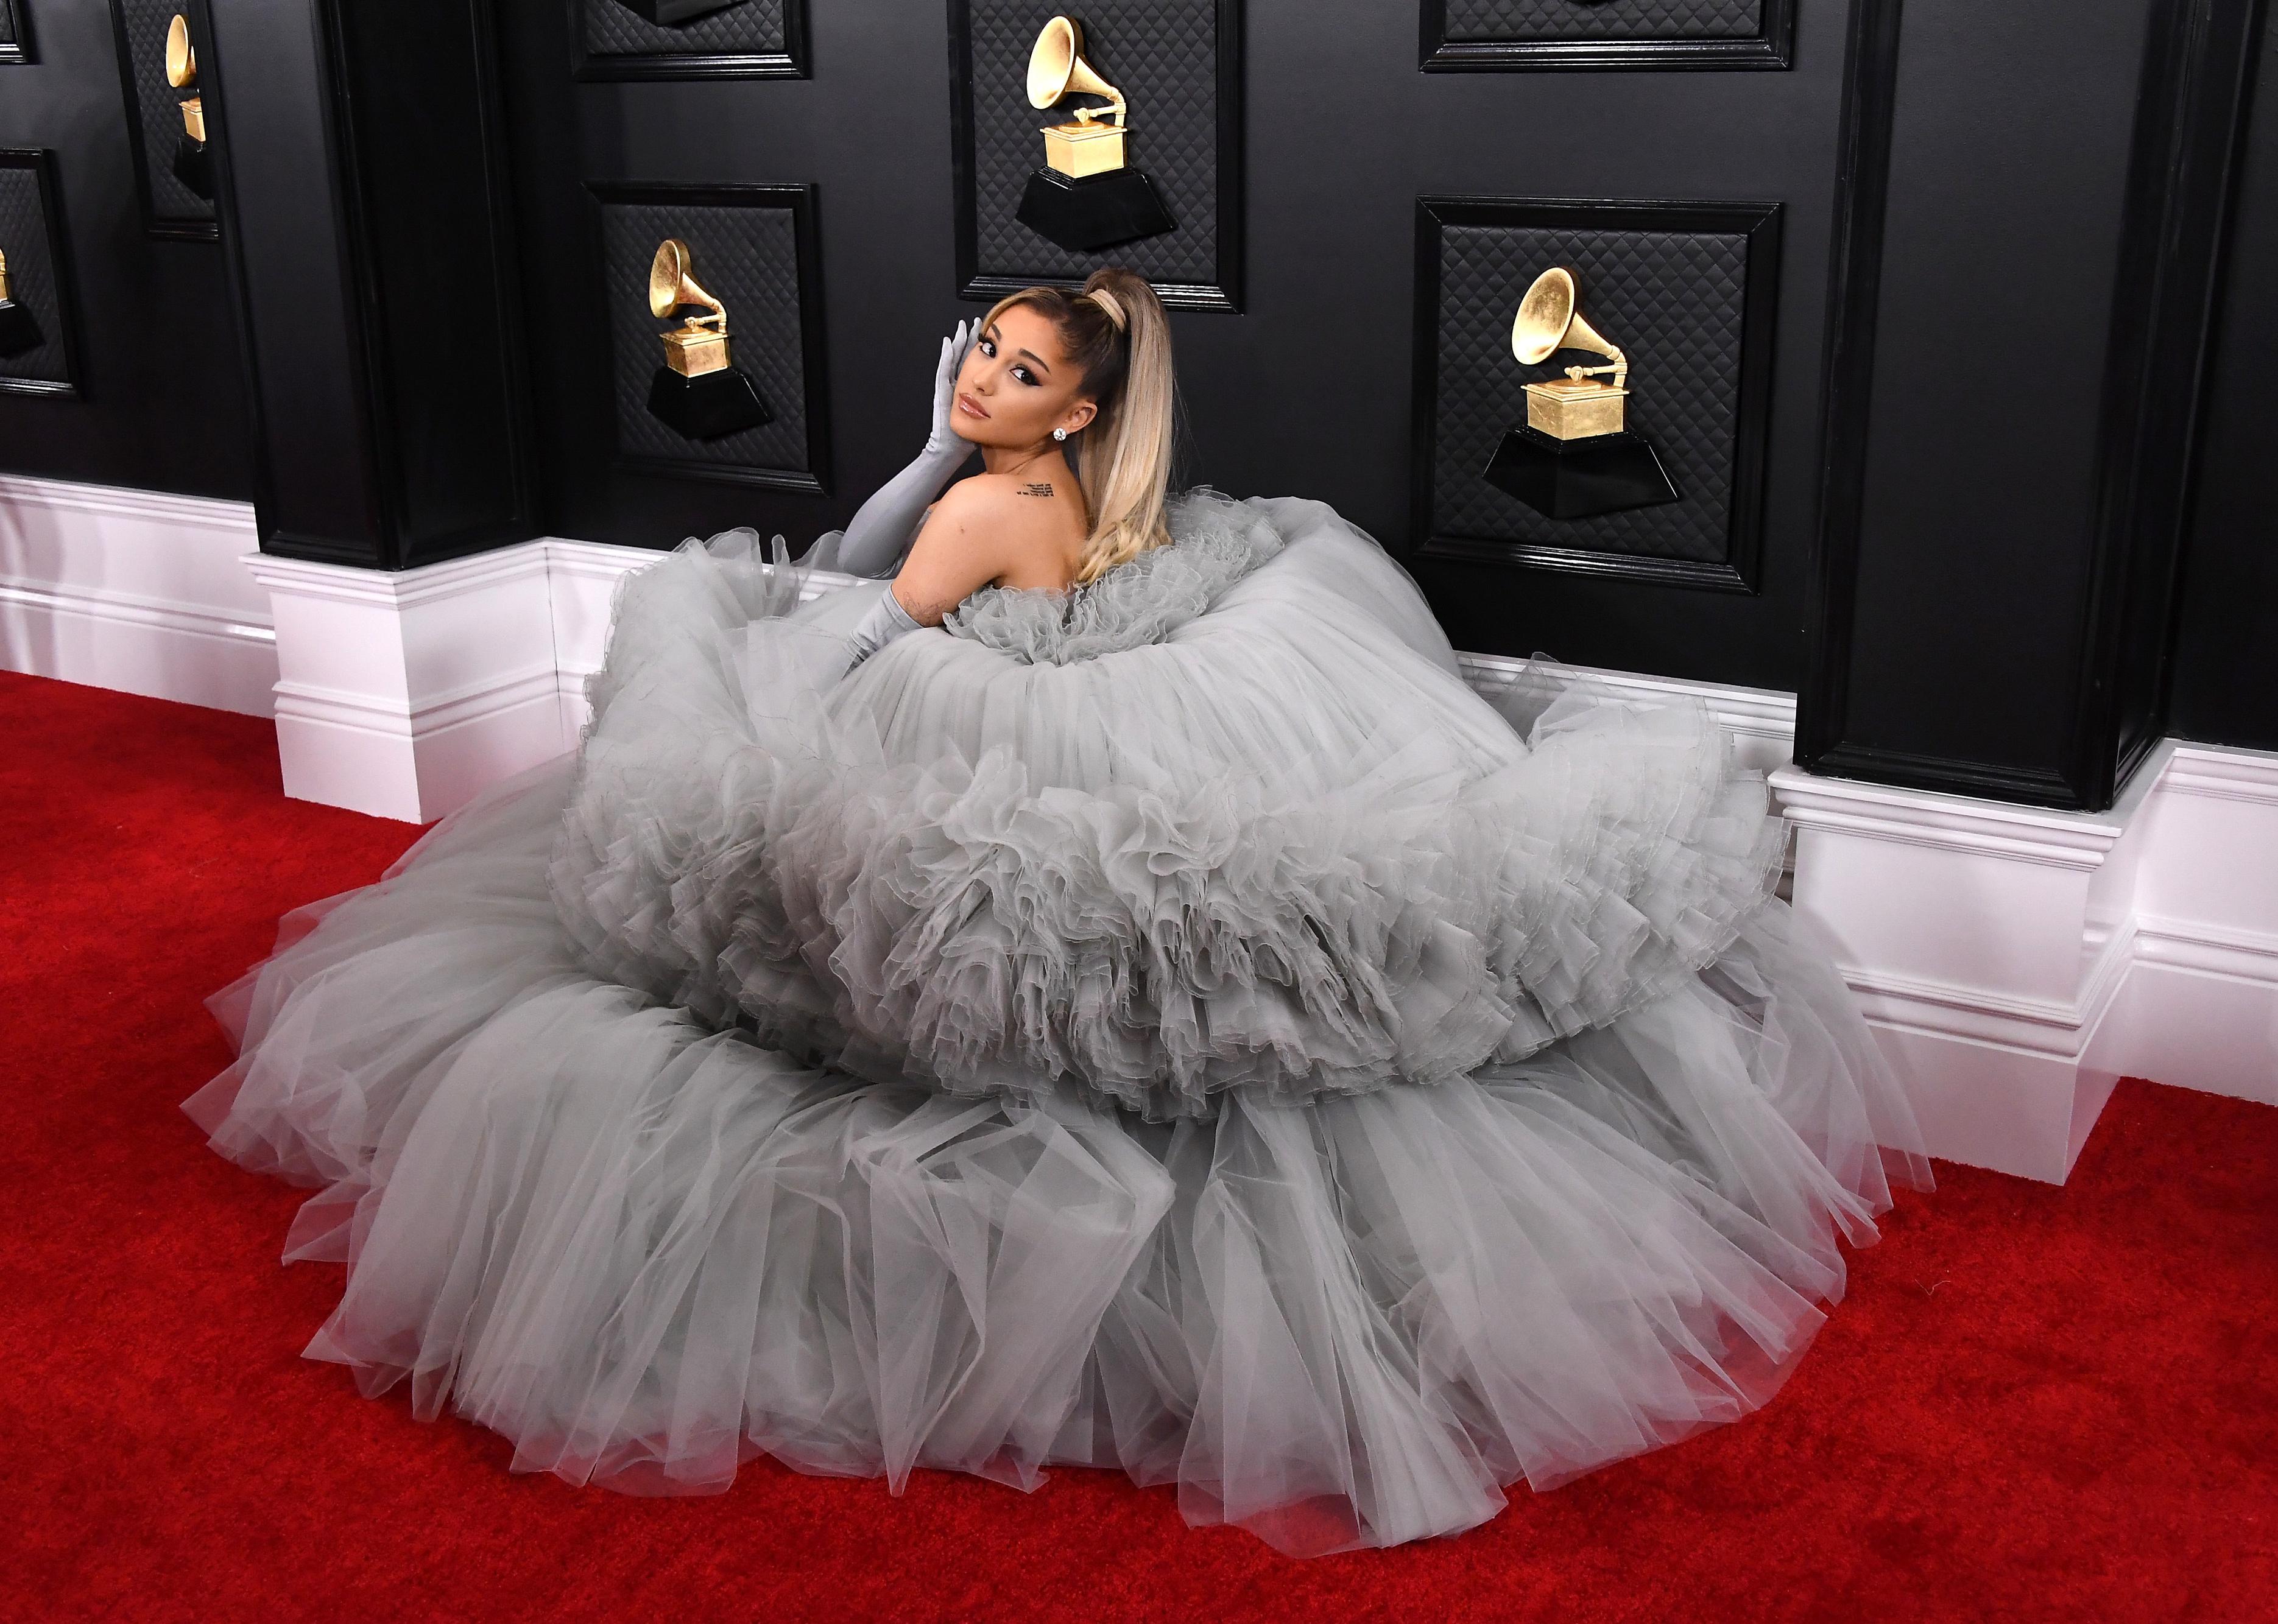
x=1688, y=293
x=1988, y=375
x=753, y=248
x=2225, y=685
x=374, y=265
x=1309, y=389
x=1179, y=66
x=1978, y=402
x=160, y=402
x=288, y=221
x=39, y=274
x=2015, y=416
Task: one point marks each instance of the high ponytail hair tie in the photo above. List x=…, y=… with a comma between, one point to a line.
x=1108, y=302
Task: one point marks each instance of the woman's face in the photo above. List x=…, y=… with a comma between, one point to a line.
x=1017, y=386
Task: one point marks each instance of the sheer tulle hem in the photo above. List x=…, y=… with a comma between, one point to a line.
x=645, y=1250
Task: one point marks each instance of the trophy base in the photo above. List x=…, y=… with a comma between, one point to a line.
x=1578, y=479
x=669, y=12
x=19, y=334
x=1097, y=211
x=708, y=406
x=194, y=167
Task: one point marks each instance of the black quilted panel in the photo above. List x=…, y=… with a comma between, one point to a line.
x=1521, y=20
x=155, y=106
x=1671, y=299
x=31, y=276
x=1163, y=55
x=751, y=27
x=746, y=258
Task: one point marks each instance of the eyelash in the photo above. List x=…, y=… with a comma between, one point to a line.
x=988, y=349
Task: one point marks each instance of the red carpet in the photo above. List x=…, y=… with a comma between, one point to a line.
x=2036, y=1403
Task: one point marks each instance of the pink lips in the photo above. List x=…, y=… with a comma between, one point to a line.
x=972, y=408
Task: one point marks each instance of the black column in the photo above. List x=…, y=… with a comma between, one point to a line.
x=368, y=236
x=2022, y=315
x=2225, y=686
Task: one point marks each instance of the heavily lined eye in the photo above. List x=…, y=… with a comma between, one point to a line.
x=988, y=346
x=1025, y=375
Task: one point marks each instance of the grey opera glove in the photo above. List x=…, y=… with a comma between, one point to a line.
x=883, y=527
x=886, y=621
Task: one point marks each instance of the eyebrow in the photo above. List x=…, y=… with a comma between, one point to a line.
x=993, y=333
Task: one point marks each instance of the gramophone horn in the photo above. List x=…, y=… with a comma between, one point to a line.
x=670, y=286
x=1057, y=68
x=1543, y=315
x=181, y=59
x=1547, y=322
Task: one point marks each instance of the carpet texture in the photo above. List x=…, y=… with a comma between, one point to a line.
x=2034, y=1403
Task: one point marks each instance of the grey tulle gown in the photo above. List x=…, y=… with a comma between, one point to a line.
x=1178, y=1026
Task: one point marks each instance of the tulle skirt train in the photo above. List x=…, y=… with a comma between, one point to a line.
x=1198, y=1036
x=644, y=1249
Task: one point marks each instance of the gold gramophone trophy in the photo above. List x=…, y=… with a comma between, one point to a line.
x=1574, y=456
x=193, y=162
x=19, y=334
x=1083, y=198
x=696, y=392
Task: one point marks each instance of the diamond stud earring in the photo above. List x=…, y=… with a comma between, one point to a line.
x=1059, y=434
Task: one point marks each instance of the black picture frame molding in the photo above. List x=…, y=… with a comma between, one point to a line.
x=41, y=162
x=814, y=369
x=1223, y=294
x=1772, y=48
x=1760, y=223
x=793, y=61
x=15, y=35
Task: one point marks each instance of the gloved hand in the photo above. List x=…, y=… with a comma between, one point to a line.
x=885, y=526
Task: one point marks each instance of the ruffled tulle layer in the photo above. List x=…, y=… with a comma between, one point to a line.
x=1278, y=847
x=644, y=1249
x=1208, y=1041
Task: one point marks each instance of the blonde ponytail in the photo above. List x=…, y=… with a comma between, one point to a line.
x=1125, y=459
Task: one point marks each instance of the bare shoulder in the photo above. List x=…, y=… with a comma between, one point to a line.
x=962, y=546
x=1020, y=503
x=1008, y=529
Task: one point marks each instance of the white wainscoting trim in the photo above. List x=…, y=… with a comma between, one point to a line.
x=137, y=591
x=2016, y=961
x=404, y=693
x=2224, y=773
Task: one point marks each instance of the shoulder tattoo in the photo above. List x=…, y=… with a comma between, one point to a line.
x=1040, y=488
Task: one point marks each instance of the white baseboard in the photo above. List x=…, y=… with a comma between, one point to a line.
x=2016, y=962
x=403, y=693
x=138, y=591
x=2012, y=961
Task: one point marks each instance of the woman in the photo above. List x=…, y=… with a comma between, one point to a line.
x=1109, y=994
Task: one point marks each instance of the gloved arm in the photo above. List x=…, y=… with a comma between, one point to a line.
x=886, y=621
x=885, y=526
